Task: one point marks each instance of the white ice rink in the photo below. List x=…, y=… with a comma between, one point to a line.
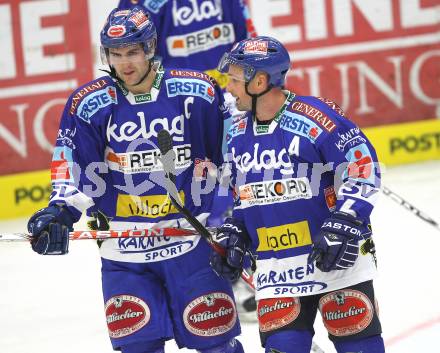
x=54, y=304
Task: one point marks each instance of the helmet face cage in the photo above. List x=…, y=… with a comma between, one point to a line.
x=148, y=47
x=228, y=59
x=125, y=28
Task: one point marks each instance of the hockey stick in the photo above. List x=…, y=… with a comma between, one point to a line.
x=167, y=158
x=401, y=201
x=112, y=234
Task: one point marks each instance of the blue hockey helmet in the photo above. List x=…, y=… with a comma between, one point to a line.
x=127, y=27
x=261, y=53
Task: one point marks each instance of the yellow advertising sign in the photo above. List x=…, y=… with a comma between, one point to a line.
x=406, y=143
x=23, y=194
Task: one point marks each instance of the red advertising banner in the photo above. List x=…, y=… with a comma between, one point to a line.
x=45, y=54
x=378, y=59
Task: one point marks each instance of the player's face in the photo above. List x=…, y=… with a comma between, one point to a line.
x=129, y=62
x=236, y=86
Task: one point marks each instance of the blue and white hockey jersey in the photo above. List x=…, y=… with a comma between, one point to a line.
x=196, y=33
x=106, y=156
x=288, y=177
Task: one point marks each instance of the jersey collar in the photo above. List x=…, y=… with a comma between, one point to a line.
x=269, y=128
x=155, y=88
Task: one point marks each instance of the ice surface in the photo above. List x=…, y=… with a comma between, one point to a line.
x=54, y=304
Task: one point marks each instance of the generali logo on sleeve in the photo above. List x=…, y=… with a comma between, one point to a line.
x=46, y=54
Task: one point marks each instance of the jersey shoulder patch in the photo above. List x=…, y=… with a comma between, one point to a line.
x=154, y=5
x=315, y=110
x=190, y=83
x=238, y=127
x=91, y=97
x=332, y=106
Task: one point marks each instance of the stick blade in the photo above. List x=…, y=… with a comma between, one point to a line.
x=164, y=141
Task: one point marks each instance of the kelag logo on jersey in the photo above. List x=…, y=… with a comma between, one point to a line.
x=190, y=87
x=138, y=128
x=286, y=236
x=300, y=125
x=197, y=11
x=274, y=191
x=199, y=41
x=361, y=166
x=95, y=101
x=267, y=159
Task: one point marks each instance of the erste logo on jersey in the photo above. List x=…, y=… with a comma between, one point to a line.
x=361, y=165
x=210, y=315
x=146, y=161
x=346, y=312
x=201, y=40
x=237, y=128
x=95, y=101
x=300, y=125
x=285, y=236
x=190, y=87
x=125, y=315
x=84, y=91
x=274, y=191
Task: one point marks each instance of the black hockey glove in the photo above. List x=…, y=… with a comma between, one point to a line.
x=232, y=235
x=336, y=246
x=50, y=229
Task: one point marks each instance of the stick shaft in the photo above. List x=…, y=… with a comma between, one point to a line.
x=111, y=234
x=401, y=201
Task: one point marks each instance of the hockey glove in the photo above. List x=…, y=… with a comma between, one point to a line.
x=336, y=246
x=232, y=235
x=50, y=229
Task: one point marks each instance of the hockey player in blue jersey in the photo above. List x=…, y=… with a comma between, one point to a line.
x=195, y=34
x=306, y=179
x=106, y=159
